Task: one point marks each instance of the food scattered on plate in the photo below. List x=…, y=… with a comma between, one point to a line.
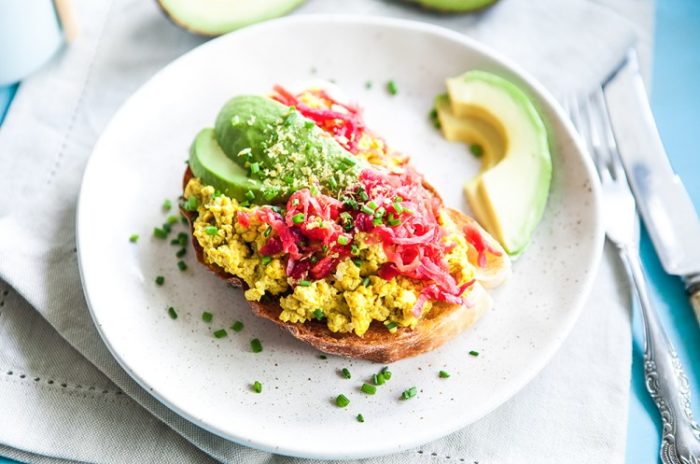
x=331, y=233
x=505, y=130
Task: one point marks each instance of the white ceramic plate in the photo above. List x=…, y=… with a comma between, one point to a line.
x=139, y=161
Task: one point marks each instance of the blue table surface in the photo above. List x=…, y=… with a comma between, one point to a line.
x=676, y=104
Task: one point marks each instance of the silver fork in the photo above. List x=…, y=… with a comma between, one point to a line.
x=665, y=380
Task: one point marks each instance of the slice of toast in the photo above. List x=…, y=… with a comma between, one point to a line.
x=442, y=323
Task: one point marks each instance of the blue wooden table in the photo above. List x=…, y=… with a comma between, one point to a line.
x=676, y=103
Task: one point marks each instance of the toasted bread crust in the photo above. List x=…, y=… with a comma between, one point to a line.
x=441, y=324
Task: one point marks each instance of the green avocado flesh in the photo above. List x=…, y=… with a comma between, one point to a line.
x=262, y=151
x=510, y=193
x=215, y=17
x=456, y=6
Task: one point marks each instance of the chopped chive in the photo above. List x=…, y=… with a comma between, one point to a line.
x=354, y=249
x=181, y=252
x=207, y=316
x=314, y=190
x=211, y=230
x=167, y=228
x=360, y=418
x=366, y=209
x=134, y=238
x=160, y=233
x=298, y=218
x=308, y=124
x=348, y=162
x=256, y=346
x=266, y=260
x=476, y=150
x=377, y=221
x=322, y=356
x=250, y=196
x=254, y=168
x=372, y=204
x=318, y=314
x=295, y=202
x=257, y=387
x=386, y=373
x=393, y=221
x=357, y=262
x=314, y=259
x=289, y=180
x=267, y=232
x=332, y=183
x=346, y=373
x=160, y=280
x=350, y=202
x=237, y=326
x=167, y=204
x=324, y=248
x=171, y=220
x=172, y=313
x=397, y=207
x=443, y=374
x=341, y=401
x=390, y=325
x=304, y=283
x=378, y=379
x=217, y=194
x=474, y=353
x=368, y=389
x=368, y=85
x=363, y=195
x=410, y=393
x=174, y=241
x=183, y=219
x=366, y=281
x=380, y=212
x=182, y=238
x=182, y=265
x=221, y=333
x=270, y=193
x=191, y=204
x=343, y=239
x=392, y=88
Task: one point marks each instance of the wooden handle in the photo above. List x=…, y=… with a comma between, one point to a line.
x=67, y=16
x=695, y=302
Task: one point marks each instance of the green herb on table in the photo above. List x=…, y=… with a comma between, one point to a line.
x=386, y=373
x=207, y=316
x=256, y=346
x=134, y=238
x=167, y=205
x=378, y=379
x=476, y=150
x=181, y=252
x=257, y=387
x=172, y=313
x=171, y=220
x=360, y=418
x=392, y=88
x=368, y=389
x=346, y=373
x=444, y=374
x=474, y=353
x=160, y=280
x=433, y=116
x=221, y=333
x=160, y=233
x=182, y=265
x=410, y=393
x=237, y=326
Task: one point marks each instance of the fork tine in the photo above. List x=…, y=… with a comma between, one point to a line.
x=609, y=142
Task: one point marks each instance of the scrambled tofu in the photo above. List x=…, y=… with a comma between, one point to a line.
x=349, y=300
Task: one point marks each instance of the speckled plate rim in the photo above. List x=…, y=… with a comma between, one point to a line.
x=450, y=424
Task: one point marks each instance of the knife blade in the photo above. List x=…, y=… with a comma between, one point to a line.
x=663, y=202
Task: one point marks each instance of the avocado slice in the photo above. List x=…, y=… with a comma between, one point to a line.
x=510, y=194
x=209, y=162
x=455, y=6
x=216, y=17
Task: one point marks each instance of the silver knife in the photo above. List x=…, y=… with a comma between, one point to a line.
x=664, y=203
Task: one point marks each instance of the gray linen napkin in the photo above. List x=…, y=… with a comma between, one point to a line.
x=63, y=398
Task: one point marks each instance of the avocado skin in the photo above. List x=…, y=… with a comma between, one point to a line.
x=455, y=6
x=208, y=162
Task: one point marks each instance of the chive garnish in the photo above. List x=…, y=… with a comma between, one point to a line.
x=346, y=373
x=181, y=252
x=343, y=239
x=160, y=280
x=332, y=183
x=398, y=208
x=377, y=221
x=363, y=195
x=476, y=150
x=304, y=283
x=171, y=220
x=474, y=353
x=443, y=374
x=191, y=204
x=367, y=210
x=348, y=162
x=221, y=333
x=386, y=373
x=134, y=238
x=318, y=314
x=360, y=418
x=266, y=260
x=217, y=194
x=167, y=228
x=211, y=230
x=295, y=202
x=256, y=346
x=393, y=221
x=390, y=325
x=410, y=393
x=237, y=326
x=350, y=202
x=314, y=190
x=172, y=313
x=257, y=387
x=357, y=262
x=322, y=356
x=167, y=204
x=354, y=249
x=378, y=379
x=182, y=238
x=160, y=233
x=368, y=389
x=380, y=212
x=250, y=196
x=267, y=232
x=392, y=88
x=207, y=316
x=298, y=218
x=341, y=401
x=254, y=168
x=182, y=265
x=366, y=281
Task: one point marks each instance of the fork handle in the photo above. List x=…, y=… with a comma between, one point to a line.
x=666, y=381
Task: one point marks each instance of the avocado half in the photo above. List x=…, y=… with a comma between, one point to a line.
x=454, y=6
x=216, y=17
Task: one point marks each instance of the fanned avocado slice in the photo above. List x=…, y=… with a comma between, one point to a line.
x=216, y=17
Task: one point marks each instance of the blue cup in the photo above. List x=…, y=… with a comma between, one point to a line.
x=30, y=34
